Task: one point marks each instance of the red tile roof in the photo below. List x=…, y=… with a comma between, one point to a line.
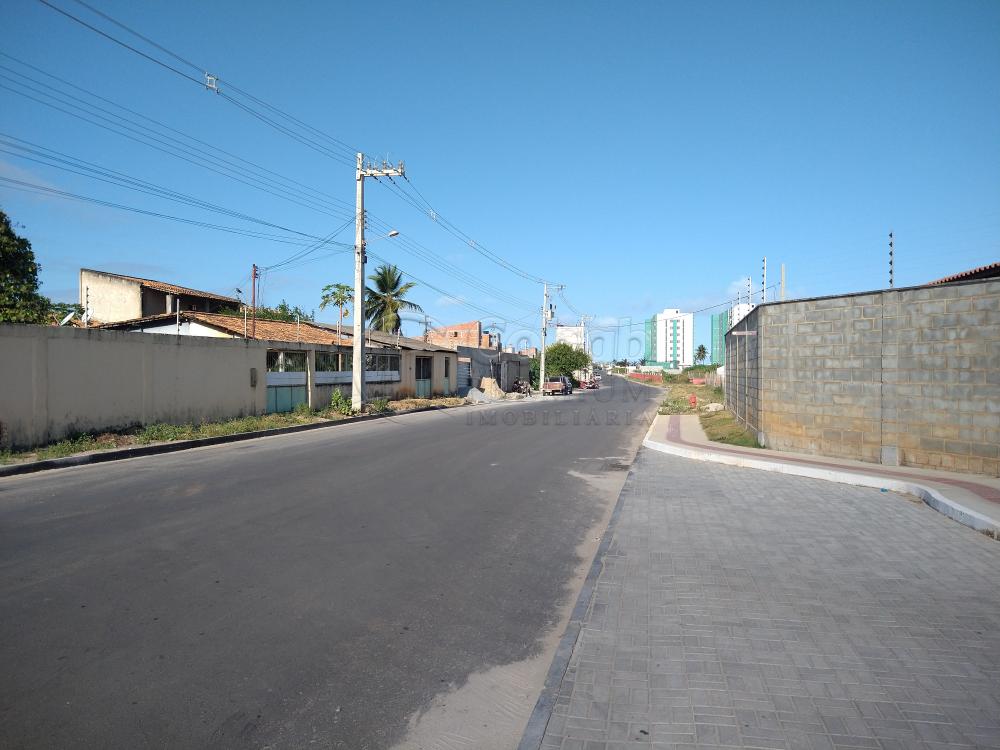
x=983, y=272
x=265, y=330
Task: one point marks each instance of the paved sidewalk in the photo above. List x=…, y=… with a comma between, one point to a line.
x=742, y=608
x=962, y=492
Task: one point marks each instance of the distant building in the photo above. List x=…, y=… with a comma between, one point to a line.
x=739, y=311
x=670, y=339
x=722, y=322
x=464, y=334
x=575, y=336
x=110, y=297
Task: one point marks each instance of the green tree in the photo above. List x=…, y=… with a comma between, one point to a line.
x=384, y=303
x=283, y=312
x=563, y=359
x=20, y=301
x=340, y=296
x=700, y=354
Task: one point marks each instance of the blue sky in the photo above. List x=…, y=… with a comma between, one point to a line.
x=646, y=155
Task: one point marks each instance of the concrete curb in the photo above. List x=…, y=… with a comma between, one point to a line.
x=121, y=454
x=932, y=497
x=534, y=731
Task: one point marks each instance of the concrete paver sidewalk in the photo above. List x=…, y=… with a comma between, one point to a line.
x=958, y=492
x=742, y=608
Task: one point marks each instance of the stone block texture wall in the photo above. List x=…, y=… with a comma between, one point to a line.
x=908, y=376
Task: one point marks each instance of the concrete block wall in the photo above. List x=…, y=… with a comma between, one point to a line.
x=941, y=368
x=908, y=376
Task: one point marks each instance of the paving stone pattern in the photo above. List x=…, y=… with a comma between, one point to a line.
x=742, y=608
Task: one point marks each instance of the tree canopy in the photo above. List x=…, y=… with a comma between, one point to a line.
x=384, y=303
x=20, y=301
x=283, y=312
x=563, y=359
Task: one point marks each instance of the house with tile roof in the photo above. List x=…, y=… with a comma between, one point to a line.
x=307, y=361
x=111, y=297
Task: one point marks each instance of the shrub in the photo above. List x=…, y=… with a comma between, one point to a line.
x=340, y=403
x=303, y=409
x=379, y=405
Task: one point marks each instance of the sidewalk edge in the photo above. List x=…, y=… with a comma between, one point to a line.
x=931, y=496
x=534, y=731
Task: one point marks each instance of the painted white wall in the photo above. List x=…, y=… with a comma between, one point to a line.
x=58, y=381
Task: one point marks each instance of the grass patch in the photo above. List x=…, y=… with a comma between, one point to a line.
x=678, y=400
x=722, y=427
x=163, y=433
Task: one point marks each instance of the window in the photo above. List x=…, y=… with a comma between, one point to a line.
x=326, y=361
x=382, y=362
x=447, y=367
x=346, y=361
x=286, y=361
x=293, y=362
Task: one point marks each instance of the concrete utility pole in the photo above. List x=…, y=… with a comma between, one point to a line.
x=763, y=283
x=546, y=317
x=254, y=275
x=358, y=365
x=891, y=252
x=782, y=282
x=583, y=324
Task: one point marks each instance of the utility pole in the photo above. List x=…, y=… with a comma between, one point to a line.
x=358, y=365
x=892, y=249
x=782, y=282
x=763, y=283
x=546, y=317
x=749, y=291
x=583, y=324
x=254, y=275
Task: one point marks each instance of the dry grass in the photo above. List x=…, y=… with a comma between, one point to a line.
x=405, y=404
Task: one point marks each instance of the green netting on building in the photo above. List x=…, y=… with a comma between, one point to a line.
x=720, y=324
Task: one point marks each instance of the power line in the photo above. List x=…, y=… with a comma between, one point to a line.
x=96, y=30
x=23, y=185
x=206, y=83
x=177, y=149
x=30, y=186
x=214, y=148
x=59, y=160
x=424, y=207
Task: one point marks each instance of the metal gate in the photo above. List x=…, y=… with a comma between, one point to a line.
x=285, y=397
x=464, y=374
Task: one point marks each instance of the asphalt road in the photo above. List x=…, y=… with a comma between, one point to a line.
x=315, y=588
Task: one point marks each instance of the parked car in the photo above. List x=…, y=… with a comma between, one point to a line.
x=557, y=384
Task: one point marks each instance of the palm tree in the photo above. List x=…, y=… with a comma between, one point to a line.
x=340, y=295
x=384, y=302
x=700, y=354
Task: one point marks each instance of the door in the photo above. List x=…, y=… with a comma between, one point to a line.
x=447, y=375
x=423, y=372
